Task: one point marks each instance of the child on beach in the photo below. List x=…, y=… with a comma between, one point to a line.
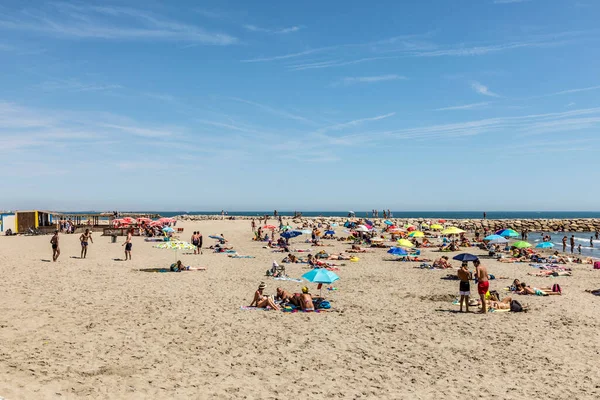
x=579, y=248
x=464, y=287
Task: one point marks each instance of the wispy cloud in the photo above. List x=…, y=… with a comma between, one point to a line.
x=354, y=123
x=75, y=85
x=586, y=89
x=287, y=56
x=525, y=125
x=330, y=64
x=272, y=110
x=571, y=104
x=482, y=89
x=254, y=28
x=368, y=79
x=463, y=107
x=65, y=20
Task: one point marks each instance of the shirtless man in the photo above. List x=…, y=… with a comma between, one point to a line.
x=483, y=283
x=564, y=243
x=464, y=287
x=55, y=248
x=85, y=238
x=128, y=244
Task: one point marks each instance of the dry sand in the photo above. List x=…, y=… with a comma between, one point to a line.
x=96, y=328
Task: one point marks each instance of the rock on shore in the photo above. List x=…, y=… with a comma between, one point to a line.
x=532, y=225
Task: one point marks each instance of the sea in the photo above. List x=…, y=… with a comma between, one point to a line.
x=581, y=238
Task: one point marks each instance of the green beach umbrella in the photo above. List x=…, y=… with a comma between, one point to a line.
x=521, y=244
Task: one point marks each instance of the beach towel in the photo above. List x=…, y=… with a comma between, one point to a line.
x=248, y=308
x=238, y=256
x=286, y=278
x=162, y=270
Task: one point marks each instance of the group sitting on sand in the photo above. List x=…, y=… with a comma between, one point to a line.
x=303, y=301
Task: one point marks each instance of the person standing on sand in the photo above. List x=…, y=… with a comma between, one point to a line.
x=199, y=239
x=85, y=238
x=564, y=242
x=128, y=244
x=464, y=287
x=483, y=283
x=253, y=224
x=572, y=243
x=55, y=248
x=194, y=240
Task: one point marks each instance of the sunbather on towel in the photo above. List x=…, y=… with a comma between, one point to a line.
x=357, y=249
x=340, y=256
x=261, y=301
x=595, y=292
x=552, y=273
x=528, y=290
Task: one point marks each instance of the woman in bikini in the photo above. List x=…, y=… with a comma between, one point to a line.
x=262, y=301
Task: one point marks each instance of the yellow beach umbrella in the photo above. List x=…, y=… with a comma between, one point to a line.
x=416, y=234
x=436, y=227
x=452, y=231
x=405, y=243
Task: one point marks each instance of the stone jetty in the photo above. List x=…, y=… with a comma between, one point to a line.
x=532, y=225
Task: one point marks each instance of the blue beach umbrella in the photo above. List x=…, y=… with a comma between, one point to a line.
x=545, y=245
x=388, y=222
x=330, y=232
x=168, y=229
x=508, y=233
x=215, y=237
x=320, y=275
x=465, y=257
x=291, y=234
x=397, y=251
x=493, y=237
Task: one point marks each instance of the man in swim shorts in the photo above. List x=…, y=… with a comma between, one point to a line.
x=464, y=287
x=483, y=283
x=55, y=248
x=85, y=238
x=128, y=244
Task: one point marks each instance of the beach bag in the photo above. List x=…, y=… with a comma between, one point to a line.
x=556, y=288
x=597, y=265
x=515, y=306
x=324, y=305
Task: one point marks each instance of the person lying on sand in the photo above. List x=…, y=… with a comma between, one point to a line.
x=262, y=301
x=528, y=290
x=552, y=273
x=595, y=292
x=357, y=249
x=340, y=256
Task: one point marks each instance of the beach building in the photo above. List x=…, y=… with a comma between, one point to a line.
x=7, y=221
x=33, y=219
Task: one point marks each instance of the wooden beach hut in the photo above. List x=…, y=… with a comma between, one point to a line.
x=33, y=219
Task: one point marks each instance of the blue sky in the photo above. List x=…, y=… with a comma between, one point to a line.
x=189, y=105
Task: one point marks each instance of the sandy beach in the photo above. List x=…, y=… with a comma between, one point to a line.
x=98, y=328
